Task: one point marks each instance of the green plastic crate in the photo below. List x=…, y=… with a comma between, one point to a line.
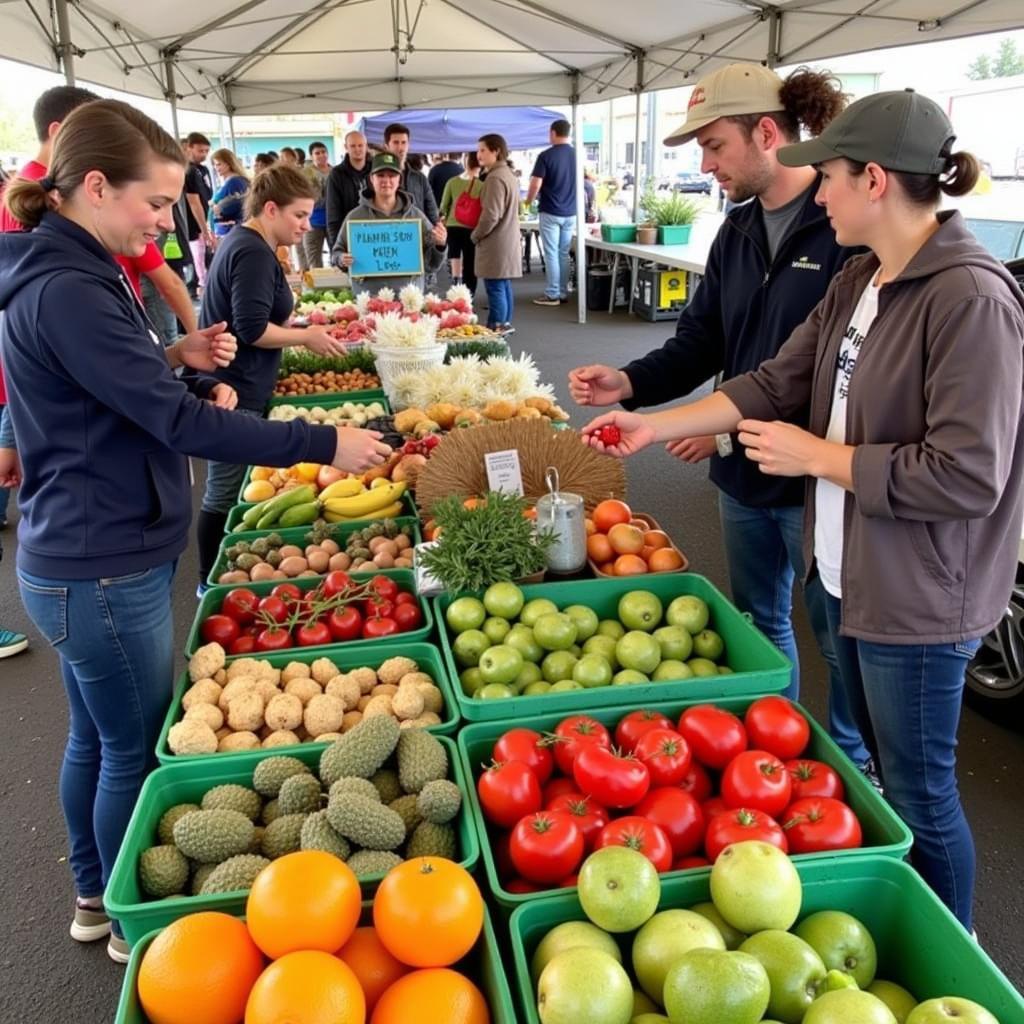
x=483, y=965
x=186, y=783
x=920, y=944
x=885, y=833
x=405, y=578
x=239, y=510
x=297, y=535
x=328, y=399
x=674, y=234
x=759, y=667
x=426, y=656
x=618, y=232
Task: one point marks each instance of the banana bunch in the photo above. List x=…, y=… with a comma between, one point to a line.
x=351, y=502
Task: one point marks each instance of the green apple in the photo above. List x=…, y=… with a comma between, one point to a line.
x=733, y=938
x=585, y=619
x=494, y=691
x=592, y=670
x=500, y=664
x=702, y=667
x=848, y=1006
x=465, y=613
x=708, y=644
x=640, y=609
x=628, y=676
x=663, y=940
x=794, y=970
x=522, y=639
x=689, y=612
x=503, y=600
x=536, y=689
x=557, y=665
x=576, y=651
x=528, y=674
x=676, y=642
x=571, y=935
x=584, y=984
x=843, y=944
x=565, y=684
x=555, y=631
x=534, y=609
x=618, y=888
x=896, y=997
x=711, y=986
x=496, y=629
x=469, y=647
x=603, y=645
x=754, y=886
x=639, y=651
x=941, y=1011
x=671, y=670
x=836, y=980
x=611, y=627
x=471, y=681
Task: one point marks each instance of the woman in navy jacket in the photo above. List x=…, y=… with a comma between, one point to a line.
x=103, y=428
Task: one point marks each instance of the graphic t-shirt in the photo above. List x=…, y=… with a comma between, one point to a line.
x=829, y=499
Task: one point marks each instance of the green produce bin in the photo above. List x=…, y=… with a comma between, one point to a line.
x=483, y=965
x=239, y=510
x=758, y=666
x=885, y=833
x=618, y=232
x=427, y=656
x=405, y=578
x=674, y=234
x=329, y=399
x=297, y=535
x=920, y=944
x=186, y=783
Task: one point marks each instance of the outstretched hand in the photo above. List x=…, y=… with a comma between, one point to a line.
x=619, y=434
x=208, y=348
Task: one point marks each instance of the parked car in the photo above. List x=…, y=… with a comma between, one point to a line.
x=1004, y=238
x=691, y=181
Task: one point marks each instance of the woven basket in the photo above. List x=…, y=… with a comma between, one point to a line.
x=393, y=362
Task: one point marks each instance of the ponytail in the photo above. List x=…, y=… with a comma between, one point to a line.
x=27, y=200
x=811, y=99
x=961, y=174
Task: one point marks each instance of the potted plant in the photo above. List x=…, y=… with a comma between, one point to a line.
x=674, y=216
x=650, y=204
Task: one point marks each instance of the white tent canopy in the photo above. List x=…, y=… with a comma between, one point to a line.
x=325, y=56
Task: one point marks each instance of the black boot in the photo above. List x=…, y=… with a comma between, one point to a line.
x=209, y=534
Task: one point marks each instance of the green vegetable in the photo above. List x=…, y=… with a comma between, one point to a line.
x=302, y=361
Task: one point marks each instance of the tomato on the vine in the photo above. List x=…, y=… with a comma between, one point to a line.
x=220, y=629
x=588, y=814
x=385, y=587
x=638, y=834
x=635, y=724
x=715, y=736
x=240, y=605
x=313, y=634
x=376, y=627
x=508, y=791
x=739, y=825
x=758, y=780
x=336, y=582
x=614, y=779
x=345, y=623
x=274, y=607
x=408, y=617
x=697, y=782
x=528, y=746
x=288, y=592
x=666, y=754
x=377, y=607
x=820, y=823
x=678, y=815
x=405, y=598
x=574, y=733
x=775, y=725
x=546, y=846
x=243, y=645
x=815, y=778
x=273, y=638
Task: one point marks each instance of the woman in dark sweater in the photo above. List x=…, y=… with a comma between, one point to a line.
x=247, y=289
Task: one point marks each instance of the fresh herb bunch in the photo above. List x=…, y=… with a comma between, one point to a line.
x=492, y=542
x=300, y=360
x=482, y=349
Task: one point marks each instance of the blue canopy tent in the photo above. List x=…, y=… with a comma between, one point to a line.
x=456, y=131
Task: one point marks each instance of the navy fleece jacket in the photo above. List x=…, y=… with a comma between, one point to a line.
x=102, y=422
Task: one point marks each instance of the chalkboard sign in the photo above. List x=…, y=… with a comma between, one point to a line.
x=386, y=248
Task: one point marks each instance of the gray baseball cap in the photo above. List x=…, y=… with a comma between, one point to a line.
x=900, y=131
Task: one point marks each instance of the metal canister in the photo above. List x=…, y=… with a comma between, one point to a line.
x=564, y=514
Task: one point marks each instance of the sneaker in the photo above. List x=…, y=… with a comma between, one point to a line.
x=118, y=950
x=90, y=923
x=12, y=643
x=544, y=300
x=505, y=329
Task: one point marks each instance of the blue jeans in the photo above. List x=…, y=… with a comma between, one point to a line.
x=160, y=314
x=224, y=480
x=764, y=552
x=906, y=700
x=556, y=238
x=499, y=301
x=114, y=638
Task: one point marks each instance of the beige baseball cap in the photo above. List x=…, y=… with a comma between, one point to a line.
x=729, y=92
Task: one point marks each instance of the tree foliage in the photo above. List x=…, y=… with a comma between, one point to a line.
x=1006, y=61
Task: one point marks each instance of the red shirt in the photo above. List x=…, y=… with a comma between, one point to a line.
x=135, y=266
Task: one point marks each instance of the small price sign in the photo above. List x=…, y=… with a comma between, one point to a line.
x=385, y=248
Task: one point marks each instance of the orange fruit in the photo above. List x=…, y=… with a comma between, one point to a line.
x=666, y=560
x=590, y=526
x=657, y=539
x=307, y=987
x=608, y=568
x=629, y=565
x=599, y=548
x=625, y=539
x=610, y=512
x=303, y=901
x=433, y=996
x=199, y=970
x=472, y=503
x=371, y=963
x=646, y=552
x=428, y=912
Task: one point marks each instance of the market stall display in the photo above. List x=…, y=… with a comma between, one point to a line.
x=621, y=542
x=350, y=501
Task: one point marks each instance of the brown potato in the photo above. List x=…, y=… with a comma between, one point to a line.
x=383, y=560
x=341, y=560
x=291, y=551
x=319, y=560
x=235, y=576
x=330, y=546
x=293, y=565
x=261, y=572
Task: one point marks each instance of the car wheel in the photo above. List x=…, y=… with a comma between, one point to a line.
x=997, y=671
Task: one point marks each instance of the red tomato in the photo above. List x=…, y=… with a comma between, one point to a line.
x=815, y=778
x=408, y=617
x=758, y=780
x=520, y=885
x=386, y=588
x=335, y=583
x=697, y=782
x=774, y=724
x=508, y=791
x=715, y=736
x=345, y=623
x=613, y=779
x=740, y=825
x=376, y=627
x=716, y=805
x=243, y=645
x=558, y=787
x=288, y=592
x=313, y=634
x=678, y=815
x=273, y=638
x=273, y=606
x=527, y=746
x=666, y=754
x=638, y=834
x=546, y=847
x=378, y=608
x=635, y=724
x=573, y=734
x=686, y=863
x=220, y=629
x=819, y=823
x=240, y=605
x=405, y=598
x=588, y=814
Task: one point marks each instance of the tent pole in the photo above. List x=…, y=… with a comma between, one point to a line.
x=638, y=89
x=230, y=107
x=65, y=48
x=611, y=139
x=581, y=205
x=171, y=94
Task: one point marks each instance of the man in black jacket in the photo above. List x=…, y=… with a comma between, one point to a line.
x=345, y=184
x=396, y=140
x=769, y=266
